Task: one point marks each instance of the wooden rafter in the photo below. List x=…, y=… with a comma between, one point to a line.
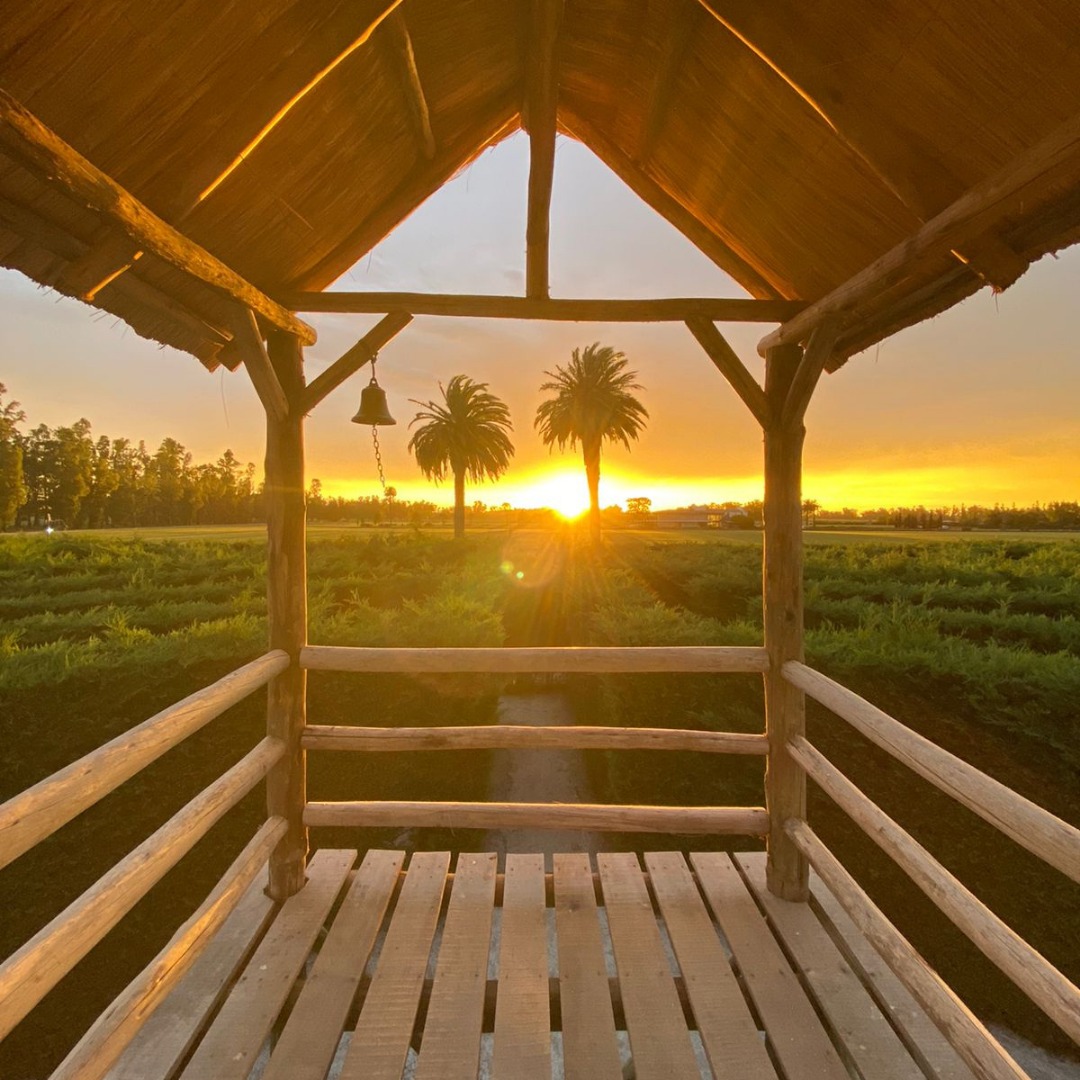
x=673, y=309
x=1049, y=167
x=673, y=53
x=731, y=367
x=51, y=159
x=99, y=265
x=541, y=109
x=397, y=44
x=416, y=186
x=352, y=361
x=903, y=163
x=654, y=195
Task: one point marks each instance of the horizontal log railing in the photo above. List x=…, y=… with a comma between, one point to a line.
x=714, y=820
x=1043, y=834
x=31, y=816
x=1028, y=969
x=704, y=659
x=968, y=1036
x=525, y=737
x=32, y=971
x=96, y=1052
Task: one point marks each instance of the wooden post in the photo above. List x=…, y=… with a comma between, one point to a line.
x=785, y=705
x=286, y=785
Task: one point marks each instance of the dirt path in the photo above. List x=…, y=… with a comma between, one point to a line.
x=539, y=776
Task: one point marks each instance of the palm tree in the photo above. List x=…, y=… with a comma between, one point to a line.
x=466, y=435
x=592, y=402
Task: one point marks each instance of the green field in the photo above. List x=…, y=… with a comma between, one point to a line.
x=974, y=641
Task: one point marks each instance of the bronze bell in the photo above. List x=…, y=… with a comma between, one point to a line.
x=373, y=411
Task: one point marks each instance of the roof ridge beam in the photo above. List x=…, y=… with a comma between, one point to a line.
x=1053, y=164
x=541, y=113
x=52, y=160
x=397, y=45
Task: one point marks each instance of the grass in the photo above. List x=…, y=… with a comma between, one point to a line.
x=974, y=641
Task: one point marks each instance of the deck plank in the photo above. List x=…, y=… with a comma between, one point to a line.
x=522, y=1049
x=856, y=1021
x=795, y=1033
x=231, y=1046
x=450, y=1047
x=590, y=1049
x=175, y=1026
x=729, y=1033
x=306, y=1047
x=927, y=1044
x=380, y=1043
x=659, y=1038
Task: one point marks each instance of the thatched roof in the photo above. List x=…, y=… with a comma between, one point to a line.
x=794, y=143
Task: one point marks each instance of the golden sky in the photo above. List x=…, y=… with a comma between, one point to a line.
x=978, y=405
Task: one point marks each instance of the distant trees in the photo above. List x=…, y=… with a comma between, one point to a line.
x=12, y=483
x=592, y=402
x=639, y=508
x=465, y=435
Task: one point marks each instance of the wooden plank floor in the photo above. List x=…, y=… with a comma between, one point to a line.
x=434, y=966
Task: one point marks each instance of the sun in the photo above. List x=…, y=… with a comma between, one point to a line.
x=564, y=492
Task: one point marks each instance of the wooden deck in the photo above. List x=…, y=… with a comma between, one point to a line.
x=668, y=968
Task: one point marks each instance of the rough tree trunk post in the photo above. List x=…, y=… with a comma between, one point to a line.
x=459, y=505
x=592, y=478
x=286, y=788
x=785, y=707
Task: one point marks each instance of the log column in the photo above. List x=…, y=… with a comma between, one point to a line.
x=286, y=789
x=785, y=707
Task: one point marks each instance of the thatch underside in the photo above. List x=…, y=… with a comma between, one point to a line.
x=288, y=137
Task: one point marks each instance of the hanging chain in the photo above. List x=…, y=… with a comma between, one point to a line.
x=375, y=436
x=378, y=456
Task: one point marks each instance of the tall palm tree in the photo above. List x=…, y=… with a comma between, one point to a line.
x=465, y=435
x=591, y=402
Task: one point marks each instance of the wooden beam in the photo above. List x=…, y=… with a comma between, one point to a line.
x=673, y=50
x=31, y=972
x=818, y=352
x=675, y=309
x=286, y=578
x=523, y=736
x=757, y=281
x=718, y=820
x=416, y=186
x=1043, y=834
x=1049, y=167
x=704, y=658
x=98, y=1050
x=731, y=367
x=397, y=44
x=540, y=112
x=1025, y=966
x=352, y=361
x=98, y=266
x=786, y=871
x=45, y=154
x=27, y=818
x=248, y=343
x=57, y=241
x=289, y=81
x=965, y=1032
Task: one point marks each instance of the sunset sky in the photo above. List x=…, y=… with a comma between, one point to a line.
x=978, y=405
